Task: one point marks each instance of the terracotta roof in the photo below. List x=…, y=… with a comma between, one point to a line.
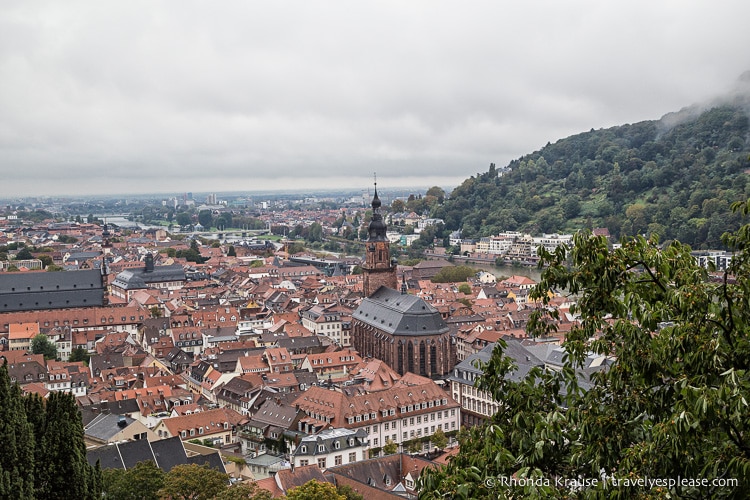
x=212, y=421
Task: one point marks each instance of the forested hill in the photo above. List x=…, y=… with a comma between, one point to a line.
x=675, y=177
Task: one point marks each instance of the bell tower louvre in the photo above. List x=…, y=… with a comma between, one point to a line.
x=378, y=269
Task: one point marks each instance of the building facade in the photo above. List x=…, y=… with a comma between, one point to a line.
x=405, y=332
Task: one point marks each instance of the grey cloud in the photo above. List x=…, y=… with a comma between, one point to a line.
x=153, y=96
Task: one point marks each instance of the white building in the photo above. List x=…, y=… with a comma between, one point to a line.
x=331, y=447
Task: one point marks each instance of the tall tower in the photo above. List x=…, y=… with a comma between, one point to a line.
x=378, y=270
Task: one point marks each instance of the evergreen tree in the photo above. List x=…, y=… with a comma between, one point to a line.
x=17, y=440
x=65, y=473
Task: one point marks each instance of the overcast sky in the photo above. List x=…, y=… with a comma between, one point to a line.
x=149, y=96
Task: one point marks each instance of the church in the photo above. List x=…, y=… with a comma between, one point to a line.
x=400, y=329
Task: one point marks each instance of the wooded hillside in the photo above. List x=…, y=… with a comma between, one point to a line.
x=675, y=177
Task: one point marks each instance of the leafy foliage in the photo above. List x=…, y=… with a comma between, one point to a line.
x=41, y=344
x=80, y=354
x=672, y=404
x=244, y=491
x=652, y=177
x=314, y=490
x=453, y=274
x=194, y=482
x=142, y=482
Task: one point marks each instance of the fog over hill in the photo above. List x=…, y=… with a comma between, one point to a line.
x=675, y=177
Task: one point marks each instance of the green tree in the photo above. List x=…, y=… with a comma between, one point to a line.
x=231, y=252
x=155, y=311
x=464, y=288
x=17, y=438
x=41, y=344
x=183, y=219
x=315, y=232
x=348, y=492
x=64, y=472
x=24, y=254
x=398, y=206
x=314, y=490
x=141, y=482
x=46, y=260
x=193, y=482
x=390, y=447
x=453, y=274
x=244, y=491
x=205, y=218
x=438, y=439
x=79, y=354
x=672, y=402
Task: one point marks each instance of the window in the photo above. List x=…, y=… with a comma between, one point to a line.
x=337, y=445
x=192, y=432
x=385, y=426
x=322, y=463
x=302, y=463
x=352, y=457
x=337, y=460
x=321, y=448
x=303, y=449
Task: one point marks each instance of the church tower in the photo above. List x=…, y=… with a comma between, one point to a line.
x=378, y=269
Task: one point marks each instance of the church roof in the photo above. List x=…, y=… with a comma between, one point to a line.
x=133, y=279
x=400, y=314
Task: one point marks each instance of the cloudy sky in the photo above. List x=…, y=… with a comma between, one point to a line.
x=152, y=96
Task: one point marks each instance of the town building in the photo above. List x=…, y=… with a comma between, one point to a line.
x=34, y=291
x=127, y=282
x=330, y=448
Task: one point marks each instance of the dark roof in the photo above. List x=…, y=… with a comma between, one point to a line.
x=213, y=460
x=133, y=452
x=122, y=407
x=400, y=314
x=524, y=359
x=133, y=279
x=32, y=291
x=104, y=426
x=170, y=452
x=165, y=453
x=108, y=457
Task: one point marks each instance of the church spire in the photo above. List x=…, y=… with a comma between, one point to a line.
x=377, y=227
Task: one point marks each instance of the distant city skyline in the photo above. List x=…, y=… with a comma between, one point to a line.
x=142, y=97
